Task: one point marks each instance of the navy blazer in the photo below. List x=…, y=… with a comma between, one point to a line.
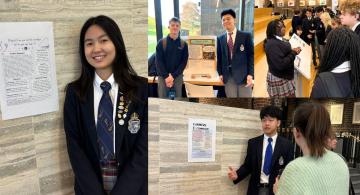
x=242, y=62
x=252, y=164
x=131, y=148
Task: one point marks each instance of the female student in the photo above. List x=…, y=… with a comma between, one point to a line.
x=280, y=58
x=339, y=71
x=319, y=171
x=105, y=115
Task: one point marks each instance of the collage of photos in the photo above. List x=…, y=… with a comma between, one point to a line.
x=234, y=97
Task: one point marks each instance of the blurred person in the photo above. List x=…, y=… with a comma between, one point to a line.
x=320, y=31
x=335, y=22
x=296, y=21
x=309, y=32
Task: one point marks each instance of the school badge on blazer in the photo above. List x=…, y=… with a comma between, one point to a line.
x=281, y=161
x=242, y=48
x=134, y=123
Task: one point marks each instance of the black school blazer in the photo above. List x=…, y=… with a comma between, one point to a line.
x=131, y=148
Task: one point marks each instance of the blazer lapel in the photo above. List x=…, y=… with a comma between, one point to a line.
x=259, y=152
x=276, y=152
x=89, y=119
x=237, y=41
x=120, y=129
x=224, y=43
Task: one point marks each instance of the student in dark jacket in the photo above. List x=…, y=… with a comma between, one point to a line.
x=171, y=59
x=235, y=58
x=309, y=30
x=280, y=58
x=320, y=31
x=341, y=63
x=266, y=155
x=105, y=116
x=296, y=21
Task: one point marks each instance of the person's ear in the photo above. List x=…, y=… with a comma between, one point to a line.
x=297, y=132
x=278, y=123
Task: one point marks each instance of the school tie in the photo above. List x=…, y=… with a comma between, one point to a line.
x=268, y=156
x=230, y=45
x=105, y=125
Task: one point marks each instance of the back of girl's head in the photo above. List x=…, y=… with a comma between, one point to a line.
x=343, y=45
x=313, y=121
x=326, y=19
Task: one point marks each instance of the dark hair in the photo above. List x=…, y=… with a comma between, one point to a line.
x=319, y=9
x=271, y=29
x=124, y=74
x=313, y=121
x=175, y=19
x=309, y=10
x=228, y=11
x=271, y=111
x=296, y=12
x=343, y=45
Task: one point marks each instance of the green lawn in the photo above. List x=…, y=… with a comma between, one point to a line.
x=152, y=35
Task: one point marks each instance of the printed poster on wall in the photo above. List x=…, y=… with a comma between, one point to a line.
x=302, y=3
x=201, y=140
x=280, y=3
x=322, y=2
x=312, y=2
x=291, y=3
x=28, y=83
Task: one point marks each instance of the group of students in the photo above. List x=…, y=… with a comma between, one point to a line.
x=270, y=157
x=235, y=59
x=337, y=45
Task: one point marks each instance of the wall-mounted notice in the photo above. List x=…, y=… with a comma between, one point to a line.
x=201, y=140
x=28, y=83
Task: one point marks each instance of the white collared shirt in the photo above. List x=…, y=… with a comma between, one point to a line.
x=98, y=92
x=233, y=36
x=265, y=178
x=280, y=38
x=354, y=27
x=344, y=67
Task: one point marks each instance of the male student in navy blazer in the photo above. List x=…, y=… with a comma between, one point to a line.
x=262, y=181
x=235, y=58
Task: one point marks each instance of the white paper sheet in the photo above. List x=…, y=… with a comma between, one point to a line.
x=198, y=90
x=201, y=140
x=28, y=83
x=302, y=61
x=195, y=52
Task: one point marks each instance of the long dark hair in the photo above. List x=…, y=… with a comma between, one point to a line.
x=124, y=74
x=313, y=121
x=343, y=45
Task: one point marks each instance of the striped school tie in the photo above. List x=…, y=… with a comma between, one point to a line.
x=105, y=131
x=230, y=44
